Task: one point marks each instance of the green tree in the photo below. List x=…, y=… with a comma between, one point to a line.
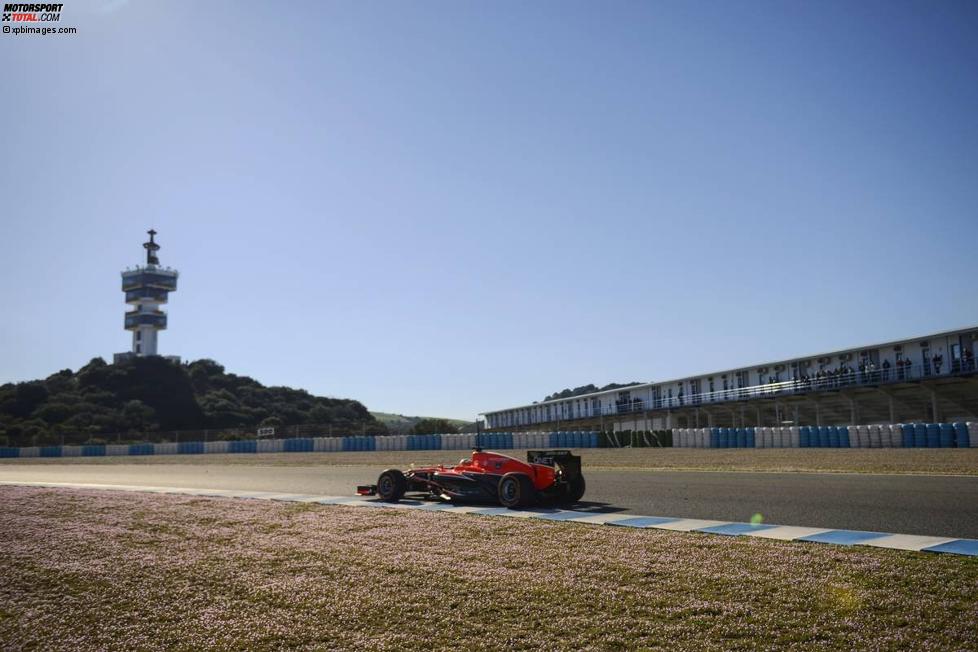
x=434, y=427
x=138, y=415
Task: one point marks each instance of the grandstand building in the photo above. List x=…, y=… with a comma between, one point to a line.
x=929, y=378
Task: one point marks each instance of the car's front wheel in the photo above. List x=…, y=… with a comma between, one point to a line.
x=391, y=485
x=517, y=490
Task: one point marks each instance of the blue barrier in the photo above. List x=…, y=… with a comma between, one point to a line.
x=9, y=452
x=93, y=450
x=946, y=437
x=247, y=446
x=833, y=437
x=355, y=443
x=919, y=435
x=141, y=449
x=190, y=448
x=714, y=438
x=907, y=432
x=751, y=438
x=824, y=437
x=962, y=439
x=804, y=437
x=843, y=436
x=723, y=440
x=50, y=451
x=933, y=435
x=593, y=439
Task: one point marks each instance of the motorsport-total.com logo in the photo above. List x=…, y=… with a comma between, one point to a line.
x=31, y=13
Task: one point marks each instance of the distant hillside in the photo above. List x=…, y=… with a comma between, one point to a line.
x=152, y=393
x=587, y=389
x=401, y=424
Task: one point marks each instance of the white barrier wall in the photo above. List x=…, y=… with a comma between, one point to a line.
x=216, y=447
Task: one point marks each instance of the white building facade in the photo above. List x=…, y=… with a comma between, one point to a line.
x=919, y=378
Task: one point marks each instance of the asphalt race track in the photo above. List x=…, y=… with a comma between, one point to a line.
x=908, y=504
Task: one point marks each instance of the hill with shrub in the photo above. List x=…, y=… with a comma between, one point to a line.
x=152, y=394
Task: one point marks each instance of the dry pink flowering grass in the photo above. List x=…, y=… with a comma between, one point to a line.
x=957, y=461
x=88, y=570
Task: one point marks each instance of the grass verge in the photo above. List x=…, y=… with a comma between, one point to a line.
x=87, y=570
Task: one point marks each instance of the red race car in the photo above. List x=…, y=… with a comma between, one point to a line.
x=551, y=477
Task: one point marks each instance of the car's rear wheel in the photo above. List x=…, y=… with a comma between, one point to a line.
x=391, y=485
x=574, y=491
x=517, y=490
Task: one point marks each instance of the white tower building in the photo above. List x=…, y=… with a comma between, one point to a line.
x=147, y=288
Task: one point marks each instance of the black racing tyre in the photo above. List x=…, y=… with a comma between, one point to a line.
x=391, y=485
x=517, y=490
x=575, y=491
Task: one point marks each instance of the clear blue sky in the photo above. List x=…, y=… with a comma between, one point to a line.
x=448, y=207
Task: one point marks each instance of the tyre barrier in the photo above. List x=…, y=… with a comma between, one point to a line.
x=900, y=435
x=897, y=435
x=961, y=435
x=246, y=446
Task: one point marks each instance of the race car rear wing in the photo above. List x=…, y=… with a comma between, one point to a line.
x=568, y=463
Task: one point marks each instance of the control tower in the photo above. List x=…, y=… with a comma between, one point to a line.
x=147, y=288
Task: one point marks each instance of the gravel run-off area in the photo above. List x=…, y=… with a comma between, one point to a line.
x=941, y=461
x=90, y=570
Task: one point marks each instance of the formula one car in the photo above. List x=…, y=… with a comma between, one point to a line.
x=548, y=477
